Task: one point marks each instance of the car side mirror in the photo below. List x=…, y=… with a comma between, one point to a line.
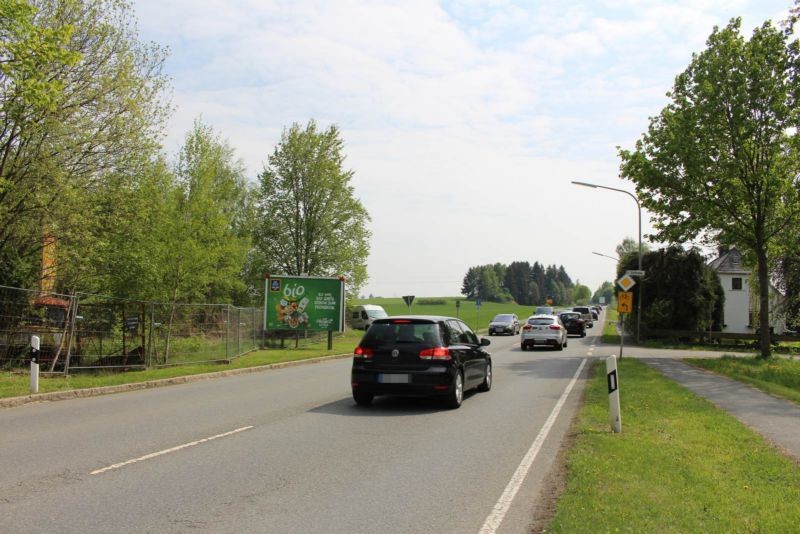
x=485, y=342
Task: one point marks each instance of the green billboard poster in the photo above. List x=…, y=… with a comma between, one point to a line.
x=304, y=303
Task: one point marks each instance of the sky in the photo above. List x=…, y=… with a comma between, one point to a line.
x=464, y=122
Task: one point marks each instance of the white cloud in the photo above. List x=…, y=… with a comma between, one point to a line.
x=464, y=121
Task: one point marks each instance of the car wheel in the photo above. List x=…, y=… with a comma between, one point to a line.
x=583, y=334
x=455, y=397
x=560, y=346
x=363, y=399
x=486, y=385
x=523, y=346
x=565, y=342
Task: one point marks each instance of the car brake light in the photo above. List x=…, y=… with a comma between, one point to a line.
x=436, y=353
x=401, y=321
x=361, y=352
x=527, y=327
x=555, y=327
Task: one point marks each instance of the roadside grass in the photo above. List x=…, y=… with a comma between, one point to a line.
x=477, y=319
x=777, y=376
x=17, y=384
x=610, y=334
x=679, y=465
x=784, y=348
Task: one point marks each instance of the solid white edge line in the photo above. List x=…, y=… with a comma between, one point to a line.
x=167, y=451
x=500, y=509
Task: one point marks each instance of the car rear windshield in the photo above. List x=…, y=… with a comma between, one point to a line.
x=540, y=321
x=566, y=316
x=502, y=318
x=391, y=333
x=377, y=314
x=582, y=310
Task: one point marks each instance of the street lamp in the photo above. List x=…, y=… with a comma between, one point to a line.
x=606, y=256
x=639, y=206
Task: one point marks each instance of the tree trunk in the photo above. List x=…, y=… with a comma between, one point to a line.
x=763, y=300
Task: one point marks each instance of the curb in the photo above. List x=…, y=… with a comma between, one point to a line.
x=12, y=402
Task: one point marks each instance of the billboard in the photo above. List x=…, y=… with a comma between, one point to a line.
x=304, y=303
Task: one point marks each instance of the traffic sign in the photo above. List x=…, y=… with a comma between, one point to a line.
x=635, y=273
x=625, y=302
x=408, y=299
x=626, y=282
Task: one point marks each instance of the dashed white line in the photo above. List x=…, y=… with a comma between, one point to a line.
x=500, y=509
x=167, y=451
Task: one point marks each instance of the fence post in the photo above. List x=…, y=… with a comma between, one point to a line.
x=227, y=331
x=75, y=303
x=150, y=335
x=238, y=331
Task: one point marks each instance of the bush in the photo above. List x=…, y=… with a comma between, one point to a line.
x=431, y=302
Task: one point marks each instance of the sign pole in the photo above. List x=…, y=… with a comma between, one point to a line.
x=621, y=333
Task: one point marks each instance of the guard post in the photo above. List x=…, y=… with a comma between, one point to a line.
x=34, y=385
x=613, y=394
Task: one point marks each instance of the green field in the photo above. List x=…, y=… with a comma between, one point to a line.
x=679, y=465
x=477, y=319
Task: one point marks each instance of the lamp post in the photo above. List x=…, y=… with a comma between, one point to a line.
x=639, y=206
x=606, y=256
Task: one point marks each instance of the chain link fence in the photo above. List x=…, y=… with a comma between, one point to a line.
x=85, y=331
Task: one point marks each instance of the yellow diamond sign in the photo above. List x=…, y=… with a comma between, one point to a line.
x=626, y=282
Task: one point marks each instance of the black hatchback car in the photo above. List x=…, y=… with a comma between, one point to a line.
x=420, y=356
x=574, y=323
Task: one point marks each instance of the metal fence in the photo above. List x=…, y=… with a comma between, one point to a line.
x=85, y=331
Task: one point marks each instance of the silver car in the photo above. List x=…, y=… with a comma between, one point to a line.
x=543, y=330
x=504, y=323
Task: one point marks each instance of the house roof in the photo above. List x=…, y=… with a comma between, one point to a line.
x=729, y=262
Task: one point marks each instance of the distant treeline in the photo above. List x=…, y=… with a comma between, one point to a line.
x=524, y=283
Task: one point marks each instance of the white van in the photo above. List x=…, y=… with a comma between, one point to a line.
x=362, y=315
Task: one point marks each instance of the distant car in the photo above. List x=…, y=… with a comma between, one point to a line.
x=543, y=310
x=573, y=323
x=586, y=314
x=595, y=315
x=420, y=355
x=504, y=323
x=547, y=330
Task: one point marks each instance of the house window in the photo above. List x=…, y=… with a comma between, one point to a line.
x=736, y=283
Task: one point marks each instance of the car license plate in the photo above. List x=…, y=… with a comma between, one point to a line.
x=395, y=378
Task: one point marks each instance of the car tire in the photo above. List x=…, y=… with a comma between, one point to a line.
x=486, y=385
x=456, y=396
x=363, y=399
x=523, y=346
x=583, y=334
x=560, y=347
x=566, y=341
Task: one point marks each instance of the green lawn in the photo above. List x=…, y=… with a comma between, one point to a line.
x=477, y=319
x=610, y=334
x=14, y=384
x=679, y=465
x=778, y=376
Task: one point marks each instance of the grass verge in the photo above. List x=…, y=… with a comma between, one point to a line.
x=777, y=376
x=610, y=334
x=14, y=384
x=679, y=465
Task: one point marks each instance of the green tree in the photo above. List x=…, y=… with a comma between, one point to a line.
x=581, y=294
x=517, y=282
x=308, y=217
x=681, y=291
x=721, y=160
x=80, y=98
x=606, y=290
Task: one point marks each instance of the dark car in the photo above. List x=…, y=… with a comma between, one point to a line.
x=573, y=322
x=504, y=323
x=420, y=355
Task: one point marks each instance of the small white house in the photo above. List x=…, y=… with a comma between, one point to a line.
x=741, y=304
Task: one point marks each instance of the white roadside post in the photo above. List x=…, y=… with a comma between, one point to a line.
x=34, y=364
x=613, y=394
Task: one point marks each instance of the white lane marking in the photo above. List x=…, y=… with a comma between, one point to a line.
x=500, y=509
x=167, y=451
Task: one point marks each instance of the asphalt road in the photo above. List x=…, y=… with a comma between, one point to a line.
x=288, y=451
